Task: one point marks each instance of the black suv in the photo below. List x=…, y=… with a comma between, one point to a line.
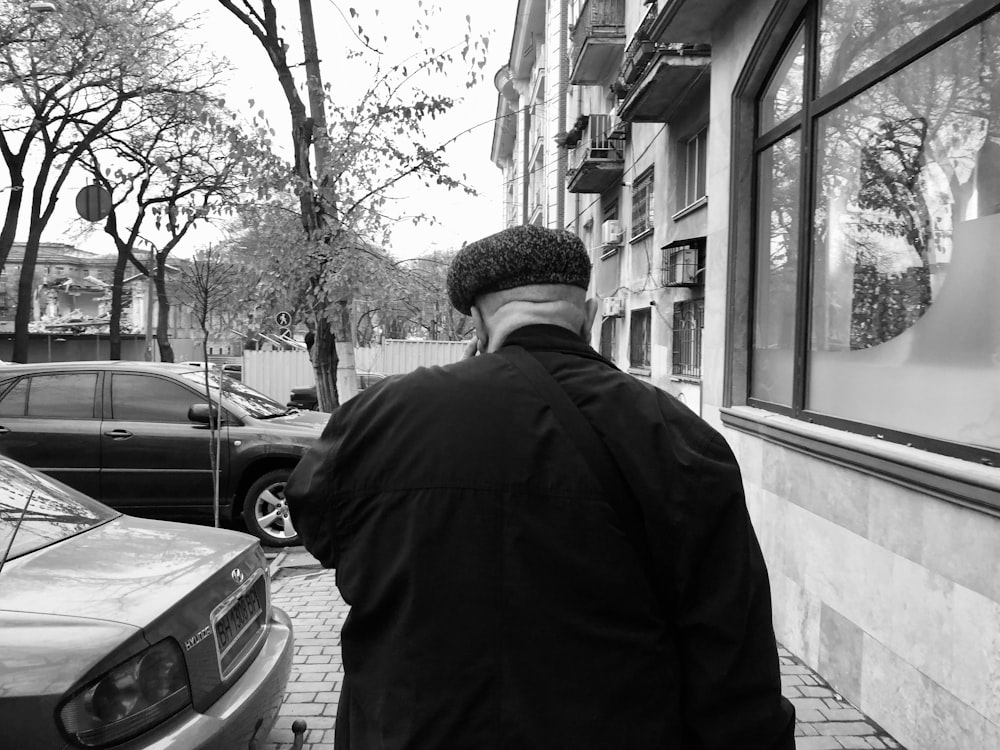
x=136, y=436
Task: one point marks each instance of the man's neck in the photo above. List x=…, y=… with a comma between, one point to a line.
x=518, y=315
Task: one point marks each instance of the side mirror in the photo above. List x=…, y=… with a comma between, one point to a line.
x=203, y=413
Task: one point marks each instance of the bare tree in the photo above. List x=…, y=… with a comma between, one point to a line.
x=96, y=64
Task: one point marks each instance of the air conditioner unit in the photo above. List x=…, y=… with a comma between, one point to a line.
x=612, y=307
x=611, y=232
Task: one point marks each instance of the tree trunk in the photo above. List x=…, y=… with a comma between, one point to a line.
x=115, y=320
x=9, y=232
x=163, y=311
x=325, y=361
x=25, y=290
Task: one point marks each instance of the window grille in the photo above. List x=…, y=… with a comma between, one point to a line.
x=642, y=203
x=684, y=263
x=689, y=322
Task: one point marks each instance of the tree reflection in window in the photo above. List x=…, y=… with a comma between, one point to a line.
x=891, y=203
x=50, y=511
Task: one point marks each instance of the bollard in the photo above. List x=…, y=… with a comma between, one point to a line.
x=299, y=730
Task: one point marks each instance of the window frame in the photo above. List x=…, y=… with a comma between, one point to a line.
x=644, y=347
x=608, y=345
x=778, y=34
x=642, y=195
x=689, y=197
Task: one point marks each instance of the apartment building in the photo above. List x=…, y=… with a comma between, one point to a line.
x=793, y=208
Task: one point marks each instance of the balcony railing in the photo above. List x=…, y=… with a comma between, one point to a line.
x=597, y=161
x=640, y=50
x=598, y=41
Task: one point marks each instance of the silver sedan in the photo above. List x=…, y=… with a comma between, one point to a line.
x=130, y=633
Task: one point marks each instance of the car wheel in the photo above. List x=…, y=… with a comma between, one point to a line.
x=265, y=512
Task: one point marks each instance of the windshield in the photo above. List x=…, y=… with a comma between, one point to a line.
x=254, y=403
x=46, y=510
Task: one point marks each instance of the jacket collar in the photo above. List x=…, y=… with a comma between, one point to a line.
x=552, y=338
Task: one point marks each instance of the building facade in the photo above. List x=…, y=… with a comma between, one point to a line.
x=793, y=210
x=72, y=296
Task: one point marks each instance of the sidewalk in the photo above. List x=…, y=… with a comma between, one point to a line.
x=826, y=721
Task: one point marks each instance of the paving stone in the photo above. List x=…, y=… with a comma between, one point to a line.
x=817, y=743
x=825, y=720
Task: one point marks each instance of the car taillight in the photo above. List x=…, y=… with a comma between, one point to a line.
x=134, y=696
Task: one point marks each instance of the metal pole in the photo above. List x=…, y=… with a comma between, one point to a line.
x=149, y=308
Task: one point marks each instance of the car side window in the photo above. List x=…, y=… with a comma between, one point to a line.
x=67, y=395
x=146, y=398
x=15, y=400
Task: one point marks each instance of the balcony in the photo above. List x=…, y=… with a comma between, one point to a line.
x=661, y=79
x=597, y=161
x=641, y=49
x=598, y=41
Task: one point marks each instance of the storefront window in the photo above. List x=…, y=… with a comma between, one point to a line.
x=899, y=313
x=777, y=270
x=856, y=34
x=783, y=97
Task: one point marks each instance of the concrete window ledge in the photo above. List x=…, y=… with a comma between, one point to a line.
x=952, y=479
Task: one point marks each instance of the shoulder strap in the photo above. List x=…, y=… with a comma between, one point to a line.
x=594, y=450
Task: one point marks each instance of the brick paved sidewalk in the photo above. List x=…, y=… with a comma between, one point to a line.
x=826, y=721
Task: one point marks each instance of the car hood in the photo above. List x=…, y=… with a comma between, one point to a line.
x=309, y=423
x=129, y=570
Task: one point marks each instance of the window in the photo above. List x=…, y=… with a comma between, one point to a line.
x=62, y=396
x=689, y=321
x=874, y=302
x=639, y=340
x=642, y=203
x=15, y=401
x=609, y=338
x=692, y=169
x=144, y=398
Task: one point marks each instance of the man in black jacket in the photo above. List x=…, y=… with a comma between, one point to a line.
x=504, y=591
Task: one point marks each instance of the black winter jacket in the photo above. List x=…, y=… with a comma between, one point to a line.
x=496, y=601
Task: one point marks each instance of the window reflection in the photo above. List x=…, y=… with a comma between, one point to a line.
x=41, y=510
x=783, y=96
x=856, y=34
x=905, y=309
x=777, y=271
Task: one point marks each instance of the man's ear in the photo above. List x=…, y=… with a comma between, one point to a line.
x=481, y=334
x=589, y=314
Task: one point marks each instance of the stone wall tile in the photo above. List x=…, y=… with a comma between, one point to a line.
x=975, y=650
x=840, y=652
x=916, y=710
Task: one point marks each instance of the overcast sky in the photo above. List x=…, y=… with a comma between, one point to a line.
x=460, y=217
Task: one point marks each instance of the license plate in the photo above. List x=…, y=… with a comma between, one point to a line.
x=238, y=622
x=234, y=622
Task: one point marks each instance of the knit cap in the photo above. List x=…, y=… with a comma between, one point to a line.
x=514, y=257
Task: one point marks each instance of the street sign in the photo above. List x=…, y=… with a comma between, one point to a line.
x=93, y=203
x=285, y=333
x=283, y=319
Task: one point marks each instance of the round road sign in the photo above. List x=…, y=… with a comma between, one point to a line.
x=93, y=203
x=283, y=319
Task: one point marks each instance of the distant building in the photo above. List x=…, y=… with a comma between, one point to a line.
x=72, y=295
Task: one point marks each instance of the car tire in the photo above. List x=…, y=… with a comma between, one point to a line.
x=265, y=512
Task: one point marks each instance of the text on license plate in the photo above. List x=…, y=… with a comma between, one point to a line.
x=231, y=625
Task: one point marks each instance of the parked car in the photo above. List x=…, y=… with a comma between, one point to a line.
x=231, y=369
x=132, y=633
x=307, y=400
x=136, y=436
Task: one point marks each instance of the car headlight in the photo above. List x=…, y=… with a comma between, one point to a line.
x=129, y=699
